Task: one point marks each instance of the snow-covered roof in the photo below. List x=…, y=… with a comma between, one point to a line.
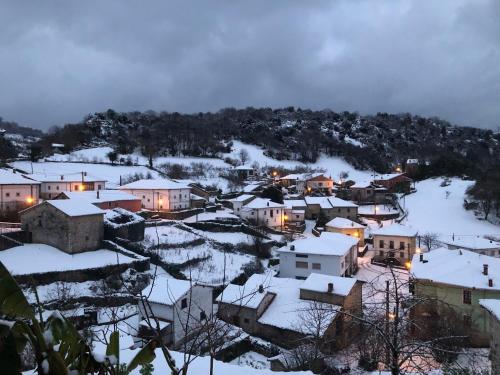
x=57, y=145
x=462, y=268
x=166, y=290
x=319, y=283
x=263, y=203
x=492, y=305
x=244, y=168
x=395, y=230
x=73, y=177
x=362, y=184
x=247, y=295
x=389, y=176
x=242, y=198
x=291, y=203
x=116, y=216
x=337, y=202
x=7, y=177
x=412, y=161
x=469, y=242
x=342, y=223
x=327, y=244
x=40, y=258
x=100, y=196
x=251, y=187
x=154, y=184
x=293, y=176
x=73, y=207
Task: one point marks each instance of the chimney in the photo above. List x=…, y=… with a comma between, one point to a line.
x=421, y=257
x=485, y=269
x=98, y=194
x=267, y=204
x=261, y=288
x=330, y=288
x=490, y=283
x=292, y=247
x=62, y=177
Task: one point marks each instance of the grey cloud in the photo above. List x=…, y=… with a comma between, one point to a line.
x=60, y=60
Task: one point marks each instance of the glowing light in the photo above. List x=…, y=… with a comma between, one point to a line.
x=285, y=217
x=160, y=201
x=398, y=169
x=408, y=265
x=275, y=173
x=30, y=200
x=81, y=188
x=391, y=316
x=418, y=250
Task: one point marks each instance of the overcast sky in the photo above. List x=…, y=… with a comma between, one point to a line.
x=60, y=60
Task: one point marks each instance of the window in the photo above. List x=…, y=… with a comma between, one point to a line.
x=149, y=200
x=401, y=245
x=246, y=321
x=253, y=213
x=401, y=254
x=99, y=187
x=271, y=213
x=381, y=244
x=381, y=253
x=7, y=194
x=184, y=303
x=76, y=187
x=301, y=264
x=301, y=256
x=297, y=216
x=48, y=187
x=265, y=213
x=316, y=266
x=17, y=194
x=57, y=187
x=348, y=210
x=86, y=238
x=467, y=297
x=338, y=209
x=203, y=316
x=109, y=204
x=143, y=197
x=320, y=184
x=391, y=244
x=236, y=320
x=467, y=320
x=50, y=196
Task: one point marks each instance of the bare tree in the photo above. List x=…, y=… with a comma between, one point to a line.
x=430, y=240
x=243, y=155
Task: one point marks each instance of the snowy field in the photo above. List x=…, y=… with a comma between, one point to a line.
x=431, y=209
x=49, y=259
x=167, y=234
x=110, y=173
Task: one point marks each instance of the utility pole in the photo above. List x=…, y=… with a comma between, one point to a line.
x=387, y=354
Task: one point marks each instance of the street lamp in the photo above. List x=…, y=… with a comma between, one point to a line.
x=29, y=200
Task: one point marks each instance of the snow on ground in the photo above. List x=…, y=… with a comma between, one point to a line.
x=233, y=238
x=168, y=234
x=430, y=210
x=50, y=259
x=379, y=209
x=332, y=165
x=252, y=359
x=205, y=216
x=108, y=172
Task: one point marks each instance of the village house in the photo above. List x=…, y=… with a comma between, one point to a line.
x=16, y=193
x=106, y=199
x=458, y=279
x=331, y=254
x=280, y=309
x=245, y=172
x=319, y=183
x=52, y=185
x=477, y=244
x=177, y=308
x=238, y=202
x=493, y=308
x=330, y=208
x=394, y=182
x=160, y=194
x=411, y=167
x=396, y=243
x=69, y=225
x=347, y=227
x=295, y=210
x=197, y=202
x=364, y=192
x=264, y=212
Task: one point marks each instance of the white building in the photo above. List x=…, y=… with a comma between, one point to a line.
x=262, y=211
x=179, y=308
x=52, y=185
x=295, y=210
x=476, y=244
x=16, y=192
x=332, y=254
x=160, y=194
x=395, y=242
x=238, y=202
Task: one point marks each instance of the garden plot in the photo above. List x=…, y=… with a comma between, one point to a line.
x=169, y=235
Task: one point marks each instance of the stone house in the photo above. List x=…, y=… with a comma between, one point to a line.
x=330, y=207
x=394, y=182
x=364, y=192
x=493, y=308
x=160, y=194
x=394, y=242
x=295, y=210
x=238, y=202
x=347, y=227
x=332, y=254
x=244, y=172
x=458, y=279
x=106, y=199
x=179, y=308
x=71, y=226
x=307, y=183
x=16, y=193
x=123, y=224
x=52, y=186
x=280, y=309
